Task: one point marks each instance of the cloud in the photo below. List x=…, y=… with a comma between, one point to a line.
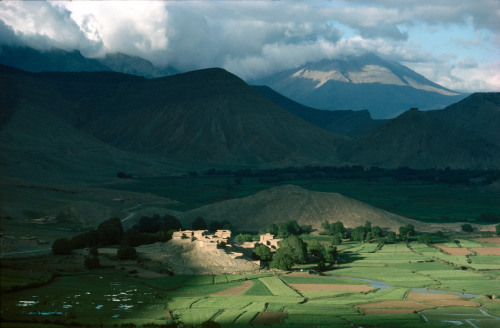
x=253, y=39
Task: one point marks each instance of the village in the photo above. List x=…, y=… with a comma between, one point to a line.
x=220, y=239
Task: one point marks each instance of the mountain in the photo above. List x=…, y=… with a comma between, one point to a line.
x=38, y=144
x=344, y=122
x=58, y=60
x=199, y=118
x=118, y=62
x=418, y=140
x=55, y=60
x=284, y=203
x=479, y=113
x=366, y=81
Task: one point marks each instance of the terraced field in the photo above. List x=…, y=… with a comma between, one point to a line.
x=412, y=285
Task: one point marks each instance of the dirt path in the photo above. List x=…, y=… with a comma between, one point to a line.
x=237, y=290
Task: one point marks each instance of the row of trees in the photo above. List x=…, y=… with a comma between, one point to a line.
x=447, y=175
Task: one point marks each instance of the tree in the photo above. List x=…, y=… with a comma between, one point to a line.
x=94, y=251
x=291, y=250
x=126, y=252
x=376, y=232
x=262, y=252
x=336, y=239
x=406, y=231
x=391, y=237
x=210, y=324
x=497, y=227
x=330, y=254
x=467, y=228
x=281, y=260
x=425, y=239
x=91, y=262
x=199, y=224
x=62, y=246
x=315, y=248
x=110, y=232
x=358, y=234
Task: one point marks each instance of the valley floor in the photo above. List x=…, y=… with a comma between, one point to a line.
x=410, y=285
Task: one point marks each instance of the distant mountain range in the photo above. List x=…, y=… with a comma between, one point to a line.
x=100, y=122
x=366, y=81
x=57, y=60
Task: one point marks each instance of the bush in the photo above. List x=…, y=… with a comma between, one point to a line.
x=210, y=324
x=126, y=252
x=91, y=262
x=467, y=227
x=62, y=246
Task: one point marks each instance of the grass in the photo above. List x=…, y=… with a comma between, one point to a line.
x=258, y=288
x=277, y=287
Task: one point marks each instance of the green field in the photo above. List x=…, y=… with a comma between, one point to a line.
x=114, y=298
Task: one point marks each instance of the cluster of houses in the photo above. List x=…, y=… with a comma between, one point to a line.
x=205, y=240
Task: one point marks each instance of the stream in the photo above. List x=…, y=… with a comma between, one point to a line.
x=383, y=285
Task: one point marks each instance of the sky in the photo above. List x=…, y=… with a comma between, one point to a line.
x=455, y=43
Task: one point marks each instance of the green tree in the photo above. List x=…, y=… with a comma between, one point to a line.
x=358, y=234
x=497, y=227
x=94, y=251
x=330, y=254
x=315, y=248
x=210, y=324
x=262, y=252
x=126, y=252
x=391, y=237
x=91, y=262
x=291, y=250
x=199, y=224
x=336, y=239
x=62, y=246
x=406, y=231
x=281, y=260
x=376, y=232
x=467, y=227
x=425, y=239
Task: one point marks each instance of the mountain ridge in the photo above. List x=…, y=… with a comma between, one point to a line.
x=360, y=82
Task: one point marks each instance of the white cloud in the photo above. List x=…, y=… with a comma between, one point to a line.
x=252, y=39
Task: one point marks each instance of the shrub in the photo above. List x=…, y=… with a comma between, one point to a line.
x=62, y=246
x=210, y=324
x=126, y=252
x=467, y=227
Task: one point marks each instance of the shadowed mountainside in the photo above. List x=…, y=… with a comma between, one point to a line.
x=419, y=140
x=344, y=122
x=291, y=202
x=203, y=117
x=479, y=113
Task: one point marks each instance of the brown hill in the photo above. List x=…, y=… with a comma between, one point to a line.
x=291, y=202
x=418, y=140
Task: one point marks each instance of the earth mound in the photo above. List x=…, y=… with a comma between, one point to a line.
x=290, y=202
